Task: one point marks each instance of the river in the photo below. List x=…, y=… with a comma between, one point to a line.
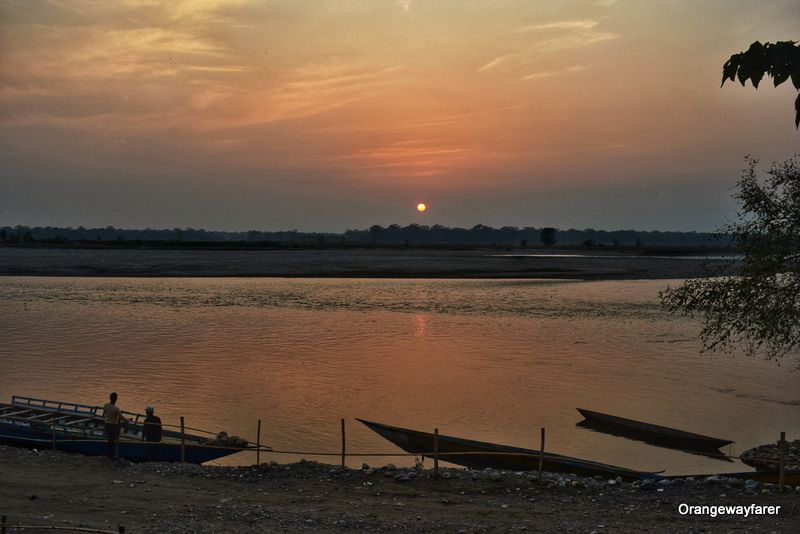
x=492, y=360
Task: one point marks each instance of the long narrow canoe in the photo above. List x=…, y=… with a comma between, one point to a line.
x=654, y=434
x=70, y=427
x=479, y=454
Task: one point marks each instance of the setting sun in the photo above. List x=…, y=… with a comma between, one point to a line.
x=421, y=207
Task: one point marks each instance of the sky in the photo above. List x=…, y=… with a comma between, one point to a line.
x=334, y=114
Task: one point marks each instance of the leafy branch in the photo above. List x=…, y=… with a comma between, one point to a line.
x=780, y=60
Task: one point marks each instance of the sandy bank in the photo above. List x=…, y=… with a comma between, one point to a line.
x=53, y=488
x=343, y=263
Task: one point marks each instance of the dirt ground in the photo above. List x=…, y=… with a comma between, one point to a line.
x=60, y=489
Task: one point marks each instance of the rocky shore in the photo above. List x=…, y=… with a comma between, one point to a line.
x=766, y=457
x=59, y=489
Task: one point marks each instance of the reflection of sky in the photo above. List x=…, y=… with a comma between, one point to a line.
x=419, y=323
x=330, y=114
x=224, y=363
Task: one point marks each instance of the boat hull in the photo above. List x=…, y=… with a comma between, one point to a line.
x=133, y=451
x=653, y=434
x=480, y=455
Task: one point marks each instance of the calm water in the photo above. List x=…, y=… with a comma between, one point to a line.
x=490, y=360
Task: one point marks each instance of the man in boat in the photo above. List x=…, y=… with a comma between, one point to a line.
x=113, y=418
x=151, y=432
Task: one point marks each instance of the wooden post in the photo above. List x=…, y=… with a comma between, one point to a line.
x=183, y=443
x=541, y=458
x=54, y=435
x=436, y=452
x=782, y=461
x=343, y=444
x=258, y=444
x=3, y=523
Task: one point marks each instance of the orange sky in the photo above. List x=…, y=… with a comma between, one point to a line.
x=322, y=115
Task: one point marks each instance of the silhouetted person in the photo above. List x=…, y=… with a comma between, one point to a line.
x=151, y=432
x=113, y=418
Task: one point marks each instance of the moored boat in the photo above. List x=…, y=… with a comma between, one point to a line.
x=71, y=427
x=479, y=454
x=650, y=433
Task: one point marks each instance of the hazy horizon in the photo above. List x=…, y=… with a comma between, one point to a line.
x=360, y=228
x=329, y=115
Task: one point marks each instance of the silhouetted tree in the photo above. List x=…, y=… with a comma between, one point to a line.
x=758, y=305
x=779, y=60
x=548, y=236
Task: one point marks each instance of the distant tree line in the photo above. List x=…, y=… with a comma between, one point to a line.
x=394, y=234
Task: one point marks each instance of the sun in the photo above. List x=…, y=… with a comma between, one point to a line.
x=421, y=207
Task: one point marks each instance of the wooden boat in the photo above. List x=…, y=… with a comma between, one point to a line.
x=653, y=434
x=714, y=454
x=44, y=424
x=479, y=454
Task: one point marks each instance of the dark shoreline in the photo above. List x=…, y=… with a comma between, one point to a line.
x=60, y=489
x=562, y=264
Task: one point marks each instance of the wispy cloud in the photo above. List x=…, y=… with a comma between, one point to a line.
x=408, y=123
x=496, y=62
x=414, y=157
x=566, y=42
x=309, y=90
x=551, y=73
x=569, y=34
x=559, y=25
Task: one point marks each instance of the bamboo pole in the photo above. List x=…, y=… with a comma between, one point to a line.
x=183, y=442
x=343, y=444
x=258, y=444
x=436, y=452
x=54, y=435
x=781, y=461
x=541, y=458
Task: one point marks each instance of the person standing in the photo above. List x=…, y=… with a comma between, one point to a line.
x=113, y=419
x=151, y=433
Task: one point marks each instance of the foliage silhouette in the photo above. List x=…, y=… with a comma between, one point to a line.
x=393, y=234
x=780, y=60
x=548, y=236
x=755, y=304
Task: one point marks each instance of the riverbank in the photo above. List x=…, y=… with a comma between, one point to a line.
x=360, y=263
x=54, y=488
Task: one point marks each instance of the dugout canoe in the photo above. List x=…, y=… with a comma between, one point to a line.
x=480, y=455
x=45, y=424
x=650, y=433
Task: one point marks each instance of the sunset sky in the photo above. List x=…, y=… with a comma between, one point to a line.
x=327, y=115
